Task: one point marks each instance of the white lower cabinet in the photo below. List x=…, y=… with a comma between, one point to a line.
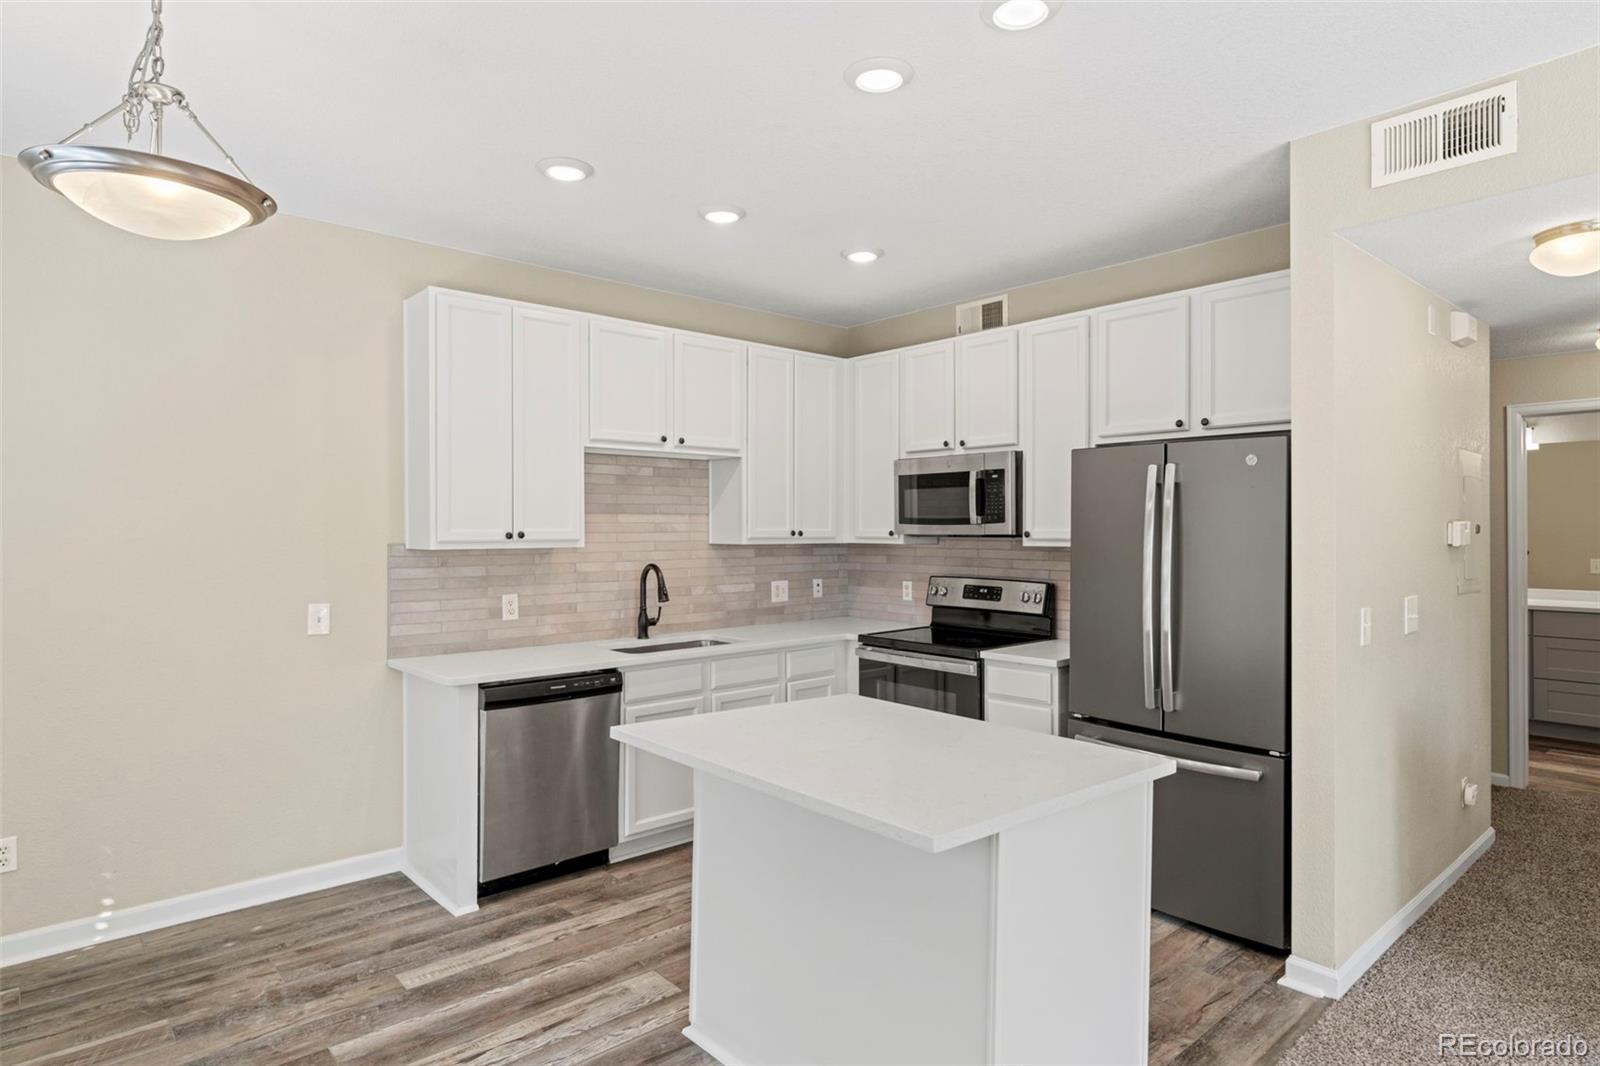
x=813, y=689
x=656, y=793
x=739, y=698
x=1024, y=697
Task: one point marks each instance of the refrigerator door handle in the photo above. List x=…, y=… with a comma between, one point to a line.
x=1148, y=589
x=1237, y=773
x=1169, y=692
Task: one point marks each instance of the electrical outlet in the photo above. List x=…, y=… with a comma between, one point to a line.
x=319, y=619
x=816, y=588
x=1411, y=615
x=509, y=612
x=1469, y=793
x=8, y=855
x=905, y=591
x=1366, y=626
x=780, y=592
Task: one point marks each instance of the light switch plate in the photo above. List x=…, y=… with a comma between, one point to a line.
x=905, y=591
x=8, y=855
x=1594, y=566
x=780, y=592
x=319, y=619
x=1365, y=636
x=1411, y=615
x=816, y=588
x=509, y=611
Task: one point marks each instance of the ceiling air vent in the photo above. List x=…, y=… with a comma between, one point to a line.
x=987, y=313
x=1478, y=126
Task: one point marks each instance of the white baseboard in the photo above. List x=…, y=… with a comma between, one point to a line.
x=710, y=1046
x=1500, y=779
x=657, y=841
x=432, y=891
x=1314, y=979
x=83, y=932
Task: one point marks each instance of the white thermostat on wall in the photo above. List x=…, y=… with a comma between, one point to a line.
x=1458, y=533
x=1463, y=329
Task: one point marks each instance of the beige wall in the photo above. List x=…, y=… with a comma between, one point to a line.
x=1564, y=515
x=1382, y=734
x=198, y=440
x=1257, y=252
x=1554, y=377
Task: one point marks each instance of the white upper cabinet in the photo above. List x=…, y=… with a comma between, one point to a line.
x=1055, y=420
x=546, y=422
x=493, y=442
x=818, y=388
x=708, y=394
x=630, y=384
x=986, y=390
x=768, y=467
x=1141, y=368
x=1241, y=353
x=875, y=445
x=927, y=398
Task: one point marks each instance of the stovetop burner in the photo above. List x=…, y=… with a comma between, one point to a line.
x=973, y=615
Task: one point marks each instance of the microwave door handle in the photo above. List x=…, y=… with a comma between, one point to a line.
x=974, y=488
x=1147, y=588
x=1169, y=690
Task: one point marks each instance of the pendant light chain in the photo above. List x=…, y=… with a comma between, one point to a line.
x=147, y=67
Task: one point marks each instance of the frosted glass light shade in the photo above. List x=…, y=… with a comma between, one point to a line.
x=1568, y=251
x=151, y=195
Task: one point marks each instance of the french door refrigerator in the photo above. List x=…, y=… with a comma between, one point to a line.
x=1180, y=646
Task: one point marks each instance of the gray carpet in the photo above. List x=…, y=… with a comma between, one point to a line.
x=1512, y=949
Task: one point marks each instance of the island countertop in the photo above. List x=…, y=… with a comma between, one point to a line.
x=932, y=781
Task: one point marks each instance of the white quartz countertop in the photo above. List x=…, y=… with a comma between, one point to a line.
x=933, y=781
x=1564, y=600
x=550, y=660
x=1040, y=653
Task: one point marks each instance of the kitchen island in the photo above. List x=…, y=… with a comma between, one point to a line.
x=876, y=883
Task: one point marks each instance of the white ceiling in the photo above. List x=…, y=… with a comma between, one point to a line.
x=1476, y=256
x=1112, y=132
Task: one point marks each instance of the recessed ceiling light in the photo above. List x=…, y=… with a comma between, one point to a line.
x=880, y=74
x=722, y=216
x=864, y=255
x=1017, y=14
x=1568, y=251
x=561, y=169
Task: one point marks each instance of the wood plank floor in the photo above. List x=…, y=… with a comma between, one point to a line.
x=591, y=969
x=1565, y=765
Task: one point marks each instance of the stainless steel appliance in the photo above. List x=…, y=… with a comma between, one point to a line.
x=547, y=775
x=1180, y=646
x=938, y=666
x=978, y=494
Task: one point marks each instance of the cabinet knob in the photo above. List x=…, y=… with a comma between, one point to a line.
x=508, y=534
x=663, y=438
x=1205, y=421
x=791, y=532
x=680, y=440
x=802, y=532
x=962, y=443
x=891, y=532
x=520, y=534
x=1027, y=533
x=947, y=444
x=1180, y=423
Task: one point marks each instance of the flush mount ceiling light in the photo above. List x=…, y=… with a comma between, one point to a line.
x=1017, y=14
x=880, y=74
x=563, y=169
x=1568, y=251
x=722, y=216
x=862, y=256
x=148, y=193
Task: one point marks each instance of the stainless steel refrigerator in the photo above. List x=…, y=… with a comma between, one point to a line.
x=1180, y=646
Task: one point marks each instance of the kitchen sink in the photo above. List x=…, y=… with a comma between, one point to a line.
x=671, y=645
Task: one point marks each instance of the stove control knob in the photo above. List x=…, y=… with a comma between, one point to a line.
x=943, y=591
x=1027, y=597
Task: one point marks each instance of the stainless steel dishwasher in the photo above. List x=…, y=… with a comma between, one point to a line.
x=547, y=776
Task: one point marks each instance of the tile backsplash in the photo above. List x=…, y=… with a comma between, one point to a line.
x=642, y=510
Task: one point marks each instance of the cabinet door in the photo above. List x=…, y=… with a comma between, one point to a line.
x=927, y=398
x=656, y=793
x=1055, y=420
x=813, y=689
x=986, y=390
x=1141, y=368
x=708, y=394
x=769, y=447
x=1241, y=348
x=762, y=696
x=630, y=384
x=1018, y=715
x=875, y=431
x=472, y=459
x=547, y=408
x=818, y=381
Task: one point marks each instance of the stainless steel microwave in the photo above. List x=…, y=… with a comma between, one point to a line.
x=978, y=494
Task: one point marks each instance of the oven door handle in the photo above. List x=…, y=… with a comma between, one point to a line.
x=920, y=662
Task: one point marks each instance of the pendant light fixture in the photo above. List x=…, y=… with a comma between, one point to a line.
x=148, y=193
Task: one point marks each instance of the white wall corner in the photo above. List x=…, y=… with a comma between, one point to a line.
x=1314, y=979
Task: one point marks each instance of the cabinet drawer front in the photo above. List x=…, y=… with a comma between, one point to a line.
x=1564, y=659
x=663, y=682
x=812, y=662
x=1567, y=702
x=1566, y=624
x=1018, y=715
x=745, y=670
x=1018, y=683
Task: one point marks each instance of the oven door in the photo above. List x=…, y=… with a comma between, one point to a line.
x=958, y=495
x=952, y=686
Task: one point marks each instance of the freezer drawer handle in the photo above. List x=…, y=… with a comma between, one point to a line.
x=1237, y=773
x=1169, y=691
x=1148, y=588
x=920, y=662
